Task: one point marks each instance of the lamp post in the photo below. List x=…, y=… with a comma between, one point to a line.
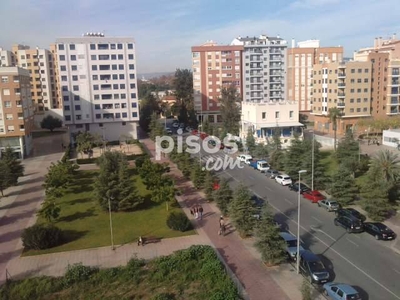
x=200, y=142
x=298, y=224
x=111, y=229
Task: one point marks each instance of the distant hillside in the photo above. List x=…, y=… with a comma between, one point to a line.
x=153, y=75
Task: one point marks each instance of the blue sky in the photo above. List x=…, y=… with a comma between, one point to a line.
x=165, y=30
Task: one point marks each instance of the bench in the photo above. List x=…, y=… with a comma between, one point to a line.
x=149, y=240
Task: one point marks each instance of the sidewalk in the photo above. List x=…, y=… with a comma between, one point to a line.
x=239, y=255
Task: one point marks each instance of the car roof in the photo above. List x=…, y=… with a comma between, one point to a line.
x=379, y=225
x=284, y=175
x=348, y=289
x=309, y=256
x=287, y=236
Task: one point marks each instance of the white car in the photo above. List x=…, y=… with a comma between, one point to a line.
x=244, y=157
x=283, y=179
x=248, y=161
x=175, y=125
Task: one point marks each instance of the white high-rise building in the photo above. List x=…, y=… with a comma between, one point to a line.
x=97, y=75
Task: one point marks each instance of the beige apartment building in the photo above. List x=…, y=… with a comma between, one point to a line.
x=16, y=110
x=214, y=67
x=300, y=64
x=346, y=86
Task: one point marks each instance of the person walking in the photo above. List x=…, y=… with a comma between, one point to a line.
x=201, y=212
x=196, y=212
x=221, y=226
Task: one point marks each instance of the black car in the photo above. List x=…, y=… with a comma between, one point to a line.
x=296, y=186
x=313, y=268
x=351, y=212
x=350, y=223
x=271, y=173
x=379, y=231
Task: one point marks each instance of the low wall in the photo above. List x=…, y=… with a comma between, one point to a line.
x=325, y=141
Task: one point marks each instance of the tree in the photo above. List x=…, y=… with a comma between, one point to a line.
x=242, y=211
x=387, y=166
x=183, y=85
x=50, y=211
x=277, y=158
x=306, y=290
x=268, y=241
x=50, y=123
x=230, y=109
x=148, y=107
x=334, y=114
x=209, y=180
x=347, y=153
x=294, y=158
x=320, y=178
x=165, y=192
x=261, y=151
x=114, y=183
x=197, y=176
x=155, y=127
x=14, y=165
x=343, y=187
x=5, y=176
x=85, y=142
x=152, y=174
x=58, y=177
x=223, y=197
x=205, y=126
x=250, y=141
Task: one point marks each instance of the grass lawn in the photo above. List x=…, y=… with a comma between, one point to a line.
x=86, y=225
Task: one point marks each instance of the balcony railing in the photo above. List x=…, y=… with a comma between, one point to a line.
x=341, y=84
x=341, y=74
x=341, y=95
x=340, y=104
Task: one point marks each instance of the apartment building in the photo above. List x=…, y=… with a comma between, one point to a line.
x=214, y=67
x=97, y=75
x=346, y=86
x=300, y=63
x=16, y=111
x=265, y=107
x=7, y=58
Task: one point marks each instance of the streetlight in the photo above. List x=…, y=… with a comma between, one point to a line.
x=111, y=230
x=200, y=142
x=298, y=223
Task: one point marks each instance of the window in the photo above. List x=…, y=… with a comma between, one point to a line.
x=359, y=80
x=365, y=99
x=277, y=115
x=62, y=57
x=113, y=57
x=95, y=77
x=76, y=98
x=130, y=46
x=133, y=95
x=112, y=46
x=120, y=67
x=10, y=128
x=93, y=57
x=7, y=104
x=4, y=79
x=96, y=87
x=102, y=46
x=92, y=47
x=353, y=70
x=358, y=100
x=131, y=67
x=124, y=115
x=96, y=97
x=121, y=76
x=358, y=90
x=120, y=57
x=134, y=115
x=358, y=109
x=351, y=110
x=119, y=46
x=64, y=88
x=94, y=68
x=115, y=76
x=74, y=68
x=116, y=96
x=130, y=56
x=64, y=78
x=122, y=86
x=118, y=115
x=351, y=100
x=73, y=57
x=134, y=105
x=365, y=109
x=123, y=96
x=114, y=67
x=67, y=118
x=366, y=79
x=74, y=77
x=66, y=98
x=352, y=91
x=66, y=107
x=77, y=107
x=75, y=88
x=366, y=90
x=123, y=105
x=291, y=114
x=98, y=116
x=60, y=47
x=263, y=115
x=104, y=57
x=9, y=116
x=115, y=86
x=63, y=68
x=78, y=117
x=131, y=76
x=97, y=106
x=132, y=86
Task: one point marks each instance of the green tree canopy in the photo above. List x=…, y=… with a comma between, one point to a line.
x=223, y=197
x=14, y=165
x=50, y=123
x=5, y=176
x=334, y=114
x=343, y=187
x=148, y=106
x=230, y=109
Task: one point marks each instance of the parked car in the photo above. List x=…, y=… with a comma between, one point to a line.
x=379, y=230
x=313, y=268
x=244, y=157
x=248, y=161
x=175, y=125
x=262, y=165
x=330, y=205
x=313, y=196
x=340, y=291
x=283, y=179
x=291, y=242
x=350, y=223
x=351, y=212
x=296, y=186
x=271, y=173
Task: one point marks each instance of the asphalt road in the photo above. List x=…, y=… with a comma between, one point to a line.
x=356, y=259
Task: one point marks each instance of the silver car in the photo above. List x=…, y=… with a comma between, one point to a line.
x=329, y=204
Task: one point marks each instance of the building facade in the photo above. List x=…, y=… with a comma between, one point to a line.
x=300, y=63
x=16, y=111
x=346, y=86
x=214, y=67
x=97, y=76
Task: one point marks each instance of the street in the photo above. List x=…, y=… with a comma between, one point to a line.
x=356, y=259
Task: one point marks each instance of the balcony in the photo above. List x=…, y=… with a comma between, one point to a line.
x=341, y=95
x=341, y=85
x=275, y=51
x=255, y=66
x=340, y=105
x=275, y=96
x=256, y=74
x=276, y=74
x=341, y=75
x=256, y=88
x=395, y=82
x=275, y=87
x=275, y=66
x=255, y=58
x=108, y=116
x=275, y=58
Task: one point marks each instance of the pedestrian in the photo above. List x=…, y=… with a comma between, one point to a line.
x=140, y=241
x=191, y=211
x=196, y=212
x=221, y=226
x=201, y=212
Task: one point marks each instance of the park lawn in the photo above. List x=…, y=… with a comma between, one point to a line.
x=329, y=162
x=86, y=225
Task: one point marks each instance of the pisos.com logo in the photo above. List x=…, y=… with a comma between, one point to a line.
x=194, y=144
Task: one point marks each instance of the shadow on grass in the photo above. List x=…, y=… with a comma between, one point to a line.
x=78, y=215
x=82, y=186
x=72, y=235
x=80, y=201
x=147, y=203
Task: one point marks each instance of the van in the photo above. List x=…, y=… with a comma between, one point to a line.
x=291, y=245
x=313, y=268
x=350, y=223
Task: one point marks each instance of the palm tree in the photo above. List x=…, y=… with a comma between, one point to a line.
x=387, y=165
x=334, y=114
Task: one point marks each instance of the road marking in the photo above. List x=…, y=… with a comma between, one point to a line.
x=356, y=236
x=320, y=230
x=317, y=219
x=351, y=241
x=268, y=188
x=333, y=250
x=288, y=201
x=396, y=271
x=251, y=177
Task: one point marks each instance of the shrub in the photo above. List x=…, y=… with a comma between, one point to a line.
x=140, y=160
x=78, y=273
x=164, y=296
x=178, y=221
x=40, y=237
